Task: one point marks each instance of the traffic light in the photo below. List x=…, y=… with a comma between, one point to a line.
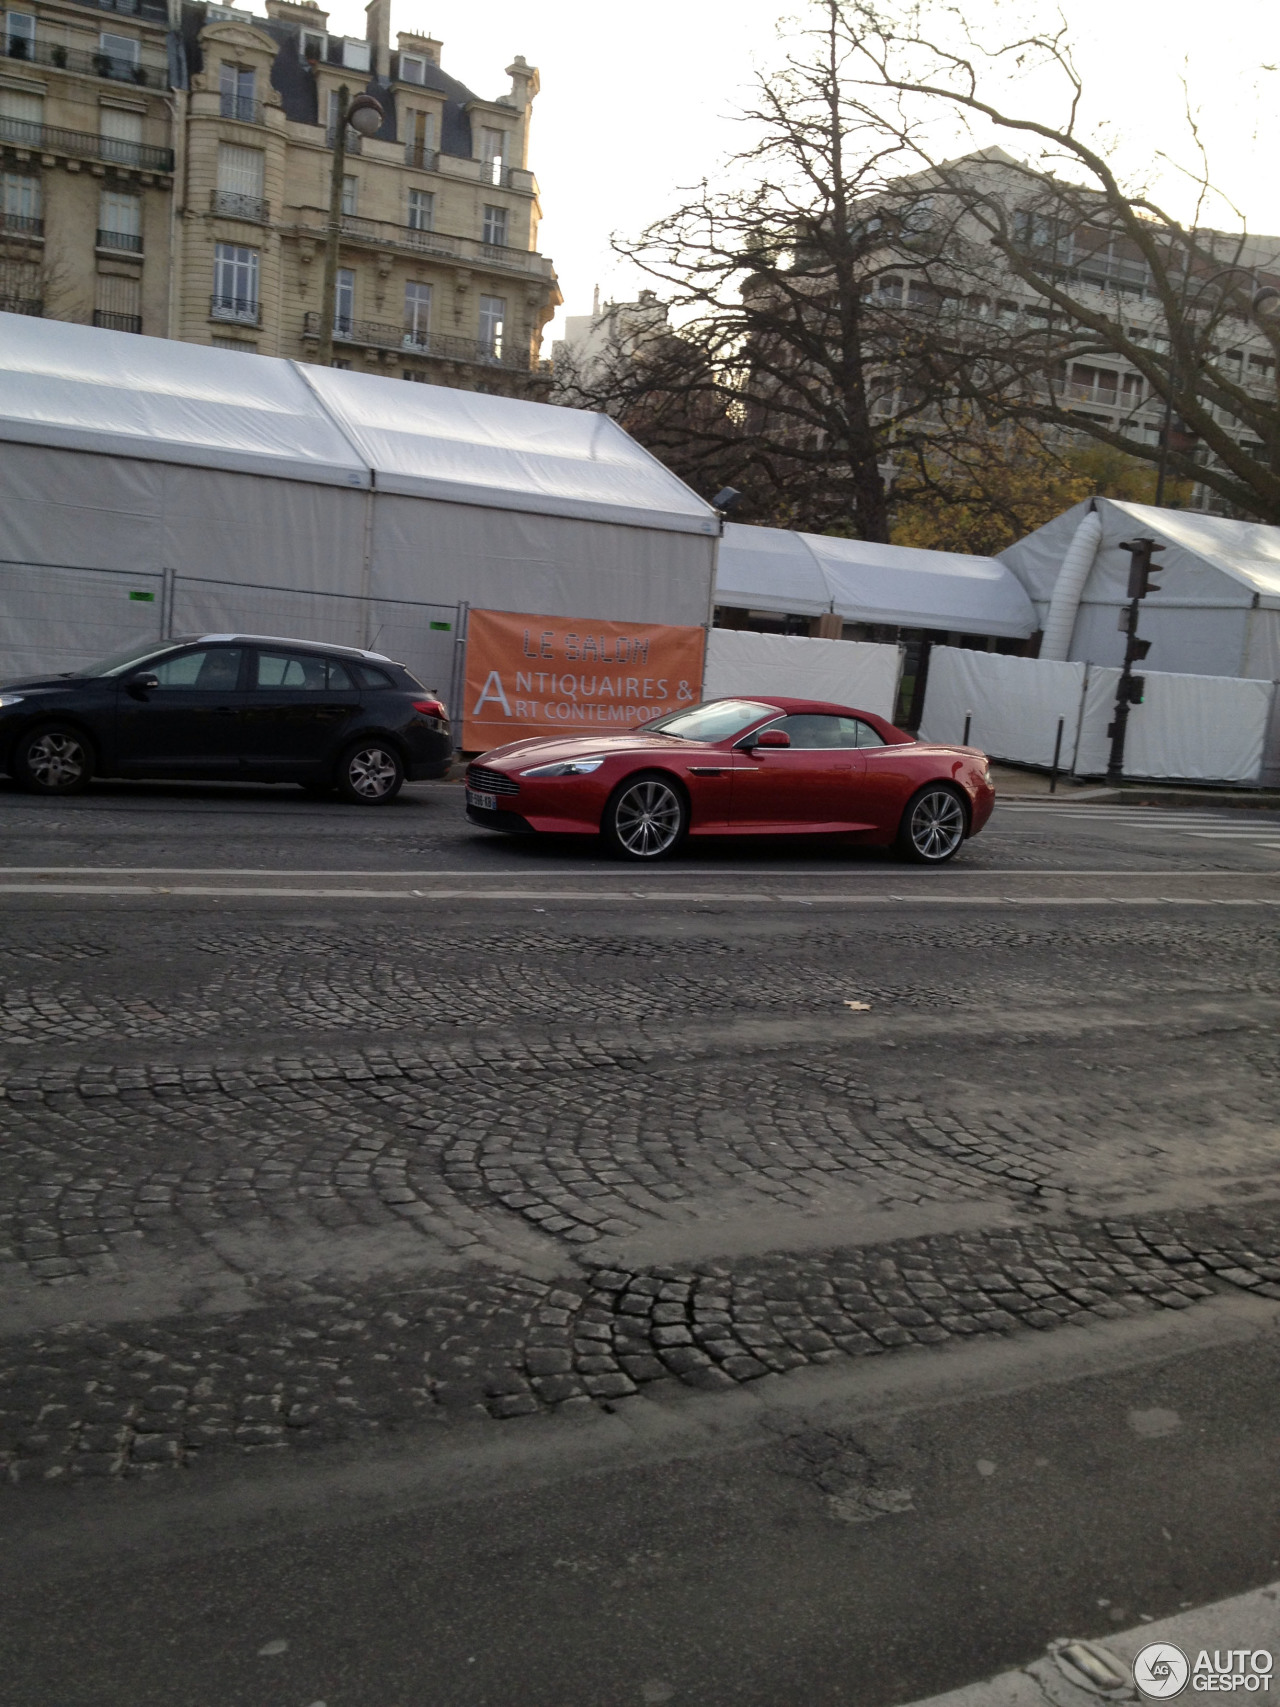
x=1141, y=568
x=1137, y=689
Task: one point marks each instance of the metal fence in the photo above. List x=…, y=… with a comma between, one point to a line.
x=55, y=617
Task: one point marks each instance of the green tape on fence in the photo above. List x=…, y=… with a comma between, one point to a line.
x=143, y=598
x=442, y=626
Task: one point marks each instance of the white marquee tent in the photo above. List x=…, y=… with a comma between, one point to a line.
x=807, y=574
x=1217, y=611
x=149, y=487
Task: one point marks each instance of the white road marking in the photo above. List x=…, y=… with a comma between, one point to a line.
x=578, y=896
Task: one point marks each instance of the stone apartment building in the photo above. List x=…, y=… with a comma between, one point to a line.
x=200, y=141
x=86, y=162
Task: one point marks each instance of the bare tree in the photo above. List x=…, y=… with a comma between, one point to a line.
x=1192, y=312
x=789, y=372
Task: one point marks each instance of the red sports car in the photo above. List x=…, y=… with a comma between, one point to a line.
x=739, y=767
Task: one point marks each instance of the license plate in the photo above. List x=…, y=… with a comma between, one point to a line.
x=486, y=802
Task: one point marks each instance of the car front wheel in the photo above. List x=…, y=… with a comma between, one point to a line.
x=370, y=773
x=933, y=825
x=646, y=819
x=54, y=759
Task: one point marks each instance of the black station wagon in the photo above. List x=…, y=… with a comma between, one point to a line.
x=227, y=707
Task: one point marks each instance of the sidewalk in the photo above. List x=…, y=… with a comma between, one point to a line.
x=1014, y=783
x=1248, y=1621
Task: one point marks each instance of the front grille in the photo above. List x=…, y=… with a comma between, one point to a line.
x=491, y=782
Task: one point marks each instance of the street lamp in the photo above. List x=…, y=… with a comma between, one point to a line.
x=364, y=115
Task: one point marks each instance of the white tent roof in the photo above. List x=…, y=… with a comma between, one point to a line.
x=1248, y=553
x=82, y=388
x=807, y=573
x=468, y=447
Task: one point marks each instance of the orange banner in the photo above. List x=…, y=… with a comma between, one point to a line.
x=552, y=675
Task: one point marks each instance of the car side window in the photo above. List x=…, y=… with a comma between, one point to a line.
x=811, y=729
x=214, y=669
x=854, y=732
x=368, y=677
x=339, y=679
x=291, y=670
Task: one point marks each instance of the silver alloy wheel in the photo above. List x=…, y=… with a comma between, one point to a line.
x=55, y=760
x=937, y=824
x=371, y=772
x=647, y=819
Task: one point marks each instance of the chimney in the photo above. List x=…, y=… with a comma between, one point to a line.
x=378, y=35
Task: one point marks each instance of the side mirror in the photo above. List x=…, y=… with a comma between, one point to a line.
x=773, y=738
x=140, y=686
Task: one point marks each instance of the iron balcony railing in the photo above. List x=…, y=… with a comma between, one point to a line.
x=32, y=305
x=117, y=322
x=385, y=234
x=86, y=64
x=128, y=242
x=419, y=155
x=374, y=334
x=241, y=107
x=355, y=142
x=85, y=145
x=21, y=225
x=232, y=205
x=242, y=309
x=152, y=9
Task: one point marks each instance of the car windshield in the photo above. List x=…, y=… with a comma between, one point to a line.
x=717, y=720
x=119, y=662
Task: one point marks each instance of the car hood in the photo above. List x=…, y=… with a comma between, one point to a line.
x=43, y=682
x=546, y=749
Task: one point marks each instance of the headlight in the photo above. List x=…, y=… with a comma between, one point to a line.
x=566, y=767
x=10, y=699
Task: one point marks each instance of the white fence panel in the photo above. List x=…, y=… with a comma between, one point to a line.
x=1188, y=728
x=1015, y=702
x=857, y=673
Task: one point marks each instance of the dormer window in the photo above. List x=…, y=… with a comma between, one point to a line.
x=413, y=68
x=313, y=46
x=355, y=55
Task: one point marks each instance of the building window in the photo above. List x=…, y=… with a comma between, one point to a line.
x=350, y=195
x=417, y=312
x=344, y=301
x=20, y=204
x=422, y=210
x=493, y=315
x=240, y=179
x=21, y=117
x=495, y=227
x=117, y=56
x=313, y=47
x=118, y=304
x=355, y=54
x=235, y=283
x=409, y=373
x=420, y=130
x=242, y=346
x=20, y=35
x=121, y=134
x=120, y=221
x=237, y=87
x=493, y=148
x=413, y=68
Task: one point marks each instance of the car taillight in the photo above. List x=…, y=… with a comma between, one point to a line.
x=430, y=707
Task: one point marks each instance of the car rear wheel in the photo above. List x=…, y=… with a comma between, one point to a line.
x=370, y=773
x=53, y=759
x=933, y=825
x=646, y=818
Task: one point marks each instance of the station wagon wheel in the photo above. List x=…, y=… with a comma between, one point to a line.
x=933, y=825
x=370, y=773
x=54, y=759
x=646, y=818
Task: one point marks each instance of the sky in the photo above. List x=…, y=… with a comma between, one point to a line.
x=638, y=101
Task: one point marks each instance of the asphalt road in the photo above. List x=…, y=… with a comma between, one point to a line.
x=442, y=1270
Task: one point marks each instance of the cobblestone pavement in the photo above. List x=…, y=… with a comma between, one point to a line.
x=270, y=1181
